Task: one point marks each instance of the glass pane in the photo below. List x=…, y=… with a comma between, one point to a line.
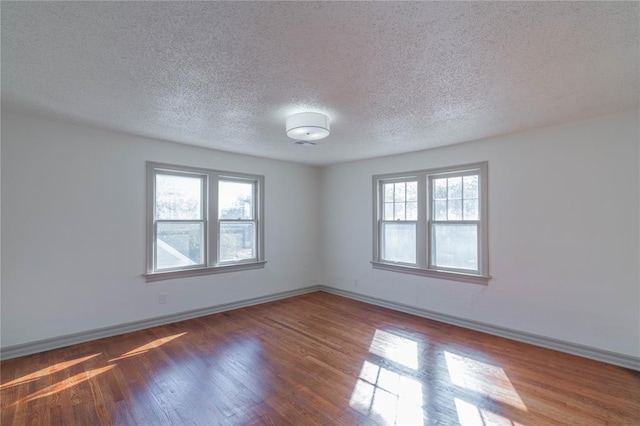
x=178, y=197
x=470, y=186
x=179, y=245
x=237, y=241
x=440, y=189
x=412, y=191
x=388, y=211
x=471, y=210
x=399, y=242
x=388, y=192
x=455, y=187
x=235, y=200
x=412, y=211
x=455, y=246
x=440, y=210
x=454, y=210
x=400, y=188
x=399, y=212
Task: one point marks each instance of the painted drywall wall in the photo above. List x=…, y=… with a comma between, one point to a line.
x=73, y=230
x=563, y=233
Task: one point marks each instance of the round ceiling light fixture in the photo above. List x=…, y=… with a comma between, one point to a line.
x=308, y=126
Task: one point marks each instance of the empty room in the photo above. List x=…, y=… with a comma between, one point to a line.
x=320, y=213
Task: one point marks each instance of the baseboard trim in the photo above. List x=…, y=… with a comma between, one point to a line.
x=100, y=333
x=609, y=357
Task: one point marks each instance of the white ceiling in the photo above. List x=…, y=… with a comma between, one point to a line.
x=392, y=76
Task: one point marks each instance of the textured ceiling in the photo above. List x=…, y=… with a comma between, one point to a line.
x=392, y=76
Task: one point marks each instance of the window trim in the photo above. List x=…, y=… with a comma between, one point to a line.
x=423, y=266
x=210, y=220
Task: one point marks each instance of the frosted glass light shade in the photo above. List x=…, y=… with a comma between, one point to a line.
x=308, y=126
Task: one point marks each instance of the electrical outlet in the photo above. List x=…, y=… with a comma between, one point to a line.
x=162, y=299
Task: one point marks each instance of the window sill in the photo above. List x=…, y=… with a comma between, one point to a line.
x=445, y=275
x=159, y=276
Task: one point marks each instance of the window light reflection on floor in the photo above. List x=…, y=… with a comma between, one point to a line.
x=46, y=371
x=145, y=348
x=487, y=380
x=470, y=415
x=395, y=348
x=65, y=384
x=388, y=394
x=384, y=395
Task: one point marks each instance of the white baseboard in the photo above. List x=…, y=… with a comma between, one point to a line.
x=29, y=348
x=609, y=357
x=99, y=333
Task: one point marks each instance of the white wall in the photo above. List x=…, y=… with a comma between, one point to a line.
x=564, y=208
x=73, y=230
x=563, y=233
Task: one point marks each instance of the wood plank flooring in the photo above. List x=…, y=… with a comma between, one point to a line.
x=316, y=359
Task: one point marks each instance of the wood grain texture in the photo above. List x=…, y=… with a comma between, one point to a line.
x=315, y=359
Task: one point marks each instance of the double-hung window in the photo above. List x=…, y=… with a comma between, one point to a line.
x=202, y=221
x=433, y=222
x=398, y=225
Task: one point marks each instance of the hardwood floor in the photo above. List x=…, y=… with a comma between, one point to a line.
x=313, y=359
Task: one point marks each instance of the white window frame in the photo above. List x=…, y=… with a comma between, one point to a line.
x=424, y=265
x=210, y=220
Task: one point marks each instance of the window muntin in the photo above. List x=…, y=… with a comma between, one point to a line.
x=445, y=234
x=202, y=220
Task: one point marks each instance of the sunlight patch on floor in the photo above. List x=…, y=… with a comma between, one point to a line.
x=46, y=371
x=395, y=348
x=487, y=380
x=145, y=348
x=388, y=394
x=65, y=384
x=470, y=415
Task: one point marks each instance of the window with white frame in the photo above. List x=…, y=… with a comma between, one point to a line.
x=433, y=222
x=202, y=221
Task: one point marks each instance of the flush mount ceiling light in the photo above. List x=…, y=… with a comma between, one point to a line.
x=308, y=126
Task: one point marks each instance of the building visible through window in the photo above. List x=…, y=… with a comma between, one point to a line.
x=202, y=221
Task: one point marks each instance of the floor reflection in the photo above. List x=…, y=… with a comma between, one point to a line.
x=46, y=371
x=470, y=415
x=403, y=381
x=487, y=380
x=65, y=384
x=145, y=348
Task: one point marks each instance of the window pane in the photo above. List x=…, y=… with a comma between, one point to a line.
x=235, y=200
x=454, y=187
x=237, y=241
x=179, y=245
x=388, y=192
x=454, y=210
x=400, y=188
x=455, y=246
x=470, y=186
x=440, y=189
x=399, y=212
x=178, y=197
x=440, y=210
x=471, y=210
x=412, y=211
x=388, y=211
x=412, y=191
x=399, y=242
